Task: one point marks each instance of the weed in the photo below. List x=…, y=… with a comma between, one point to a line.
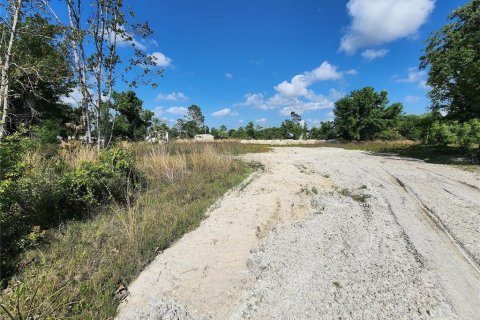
x=356, y=197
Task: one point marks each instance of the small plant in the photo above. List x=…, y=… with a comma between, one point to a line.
x=357, y=197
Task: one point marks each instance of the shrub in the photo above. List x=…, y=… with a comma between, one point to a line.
x=47, y=132
x=39, y=190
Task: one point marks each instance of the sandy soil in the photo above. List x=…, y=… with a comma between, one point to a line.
x=326, y=233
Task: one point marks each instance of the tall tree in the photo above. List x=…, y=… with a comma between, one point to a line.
x=76, y=36
x=293, y=128
x=194, y=122
x=452, y=55
x=7, y=41
x=364, y=114
x=133, y=119
x=43, y=75
x=98, y=65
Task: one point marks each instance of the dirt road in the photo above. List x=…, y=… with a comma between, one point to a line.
x=326, y=233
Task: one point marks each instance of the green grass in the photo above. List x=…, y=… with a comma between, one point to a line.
x=76, y=271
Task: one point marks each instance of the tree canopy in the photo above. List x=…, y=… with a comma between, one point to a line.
x=452, y=55
x=364, y=114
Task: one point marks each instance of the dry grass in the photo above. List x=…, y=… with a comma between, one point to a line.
x=76, y=273
x=74, y=153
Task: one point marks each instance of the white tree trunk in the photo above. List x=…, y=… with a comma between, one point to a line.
x=80, y=68
x=5, y=76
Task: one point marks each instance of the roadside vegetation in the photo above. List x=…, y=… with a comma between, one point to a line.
x=84, y=224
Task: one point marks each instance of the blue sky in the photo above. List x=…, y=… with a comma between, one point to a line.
x=259, y=60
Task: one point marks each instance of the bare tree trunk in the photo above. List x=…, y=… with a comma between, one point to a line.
x=112, y=46
x=99, y=39
x=5, y=76
x=76, y=43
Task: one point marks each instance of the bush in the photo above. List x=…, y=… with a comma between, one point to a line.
x=39, y=190
x=47, y=132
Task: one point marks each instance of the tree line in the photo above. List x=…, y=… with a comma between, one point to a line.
x=44, y=58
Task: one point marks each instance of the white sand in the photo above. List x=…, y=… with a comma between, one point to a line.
x=298, y=242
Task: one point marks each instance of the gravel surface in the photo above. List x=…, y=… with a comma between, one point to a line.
x=326, y=233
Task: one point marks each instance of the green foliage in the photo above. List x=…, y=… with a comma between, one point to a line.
x=193, y=123
x=326, y=131
x=453, y=57
x=364, y=114
x=133, y=122
x=47, y=132
x=250, y=130
x=466, y=135
x=75, y=275
x=35, y=196
x=41, y=75
x=270, y=133
x=293, y=128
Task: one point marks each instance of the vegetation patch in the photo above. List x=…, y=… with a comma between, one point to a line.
x=76, y=268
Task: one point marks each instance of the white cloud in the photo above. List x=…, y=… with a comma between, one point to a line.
x=158, y=111
x=371, y=54
x=351, y=72
x=224, y=112
x=299, y=83
x=160, y=59
x=412, y=99
x=295, y=95
x=335, y=95
x=124, y=38
x=376, y=22
x=228, y=75
x=301, y=106
x=173, y=96
x=178, y=110
x=414, y=75
x=261, y=121
x=253, y=99
x=288, y=104
x=423, y=85
x=74, y=98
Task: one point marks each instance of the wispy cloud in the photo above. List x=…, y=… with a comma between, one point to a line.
x=412, y=99
x=173, y=96
x=414, y=75
x=224, y=112
x=158, y=111
x=178, y=110
x=228, y=75
x=372, y=54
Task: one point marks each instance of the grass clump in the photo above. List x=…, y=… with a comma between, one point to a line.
x=354, y=196
x=77, y=268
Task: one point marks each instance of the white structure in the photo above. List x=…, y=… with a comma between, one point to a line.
x=204, y=137
x=157, y=136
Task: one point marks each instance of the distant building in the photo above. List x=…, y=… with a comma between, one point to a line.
x=204, y=137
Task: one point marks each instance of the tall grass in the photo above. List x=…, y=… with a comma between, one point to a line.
x=77, y=270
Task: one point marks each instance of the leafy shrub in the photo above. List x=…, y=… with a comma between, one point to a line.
x=40, y=194
x=47, y=132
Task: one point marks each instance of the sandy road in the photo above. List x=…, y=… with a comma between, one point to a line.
x=326, y=234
